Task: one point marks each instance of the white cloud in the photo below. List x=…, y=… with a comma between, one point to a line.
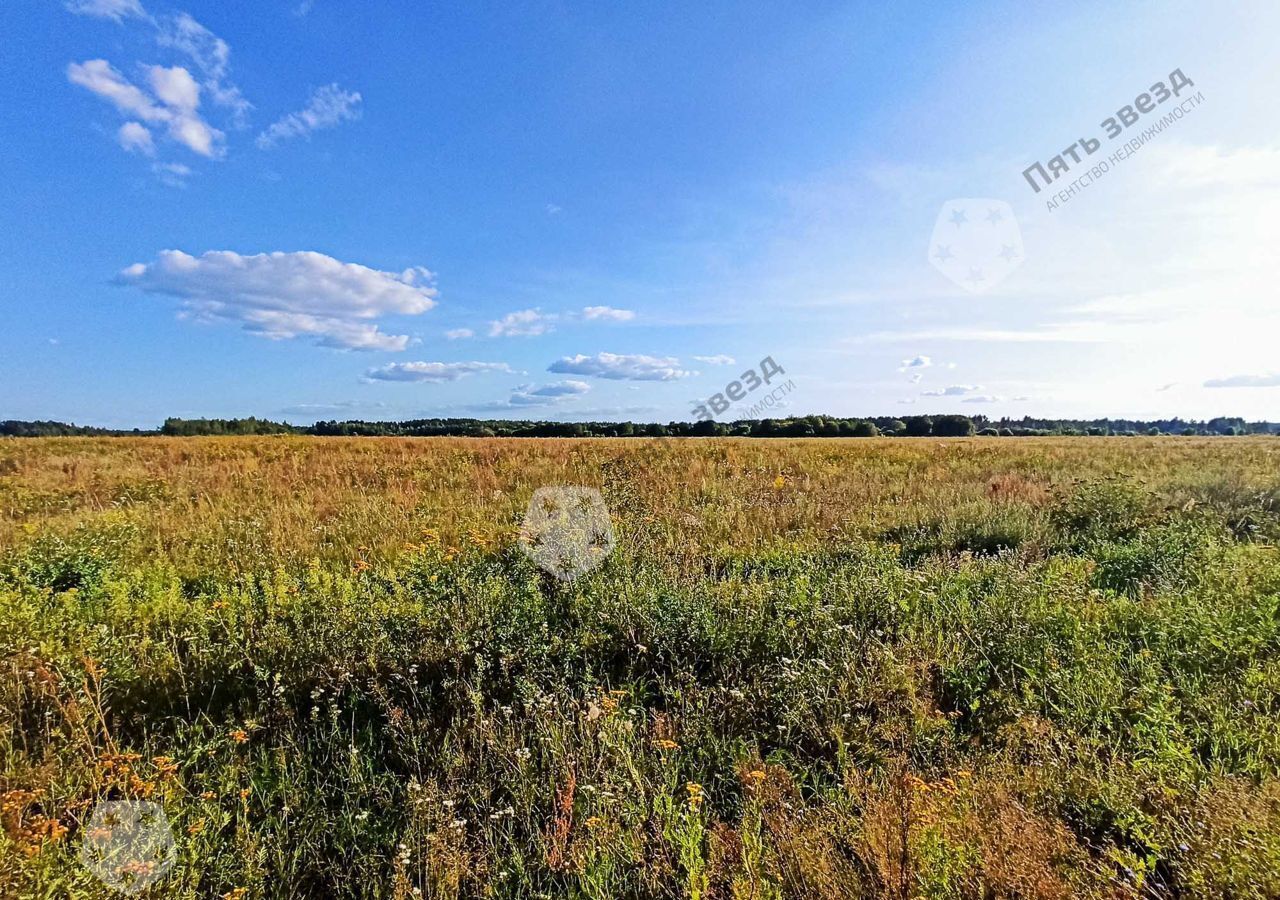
x=547, y=394
x=526, y=323
x=100, y=77
x=1239, y=381
x=172, y=174
x=211, y=55
x=285, y=295
x=917, y=362
x=175, y=87
x=434, y=372
x=955, y=390
x=341, y=407
x=985, y=398
x=457, y=334
x=175, y=102
x=621, y=367
x=717, y=360
x=607, y=314
x=116, y=10
x=134, y=137
x=329, y=106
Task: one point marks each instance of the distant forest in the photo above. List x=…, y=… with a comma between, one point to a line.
x=802, y=426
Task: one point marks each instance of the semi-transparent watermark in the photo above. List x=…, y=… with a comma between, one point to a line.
x=128, y=845
x=744, y=388
x=976, y=243
x=567, y=531
x=1079, y=154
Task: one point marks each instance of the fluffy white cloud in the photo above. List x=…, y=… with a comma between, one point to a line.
x=955, y=390
x=286, y=295
x=1239, y=381
x=329, y=106
x=134, y=137
x=527, y=322
x=100, y=77
x=175, y=102
x=431, y=371
x=607, y=314
x=211, y=56
x=457, y=334
x=984, y=398
x=116, y=10
x=917, y=362
x=175, y=87
x=621, y=367
x=718, y=360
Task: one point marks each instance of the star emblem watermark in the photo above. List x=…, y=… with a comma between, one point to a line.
x=976, y=243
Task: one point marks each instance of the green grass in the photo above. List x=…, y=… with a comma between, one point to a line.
x=1071, y=692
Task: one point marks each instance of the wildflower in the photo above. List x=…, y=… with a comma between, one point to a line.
x=594, y=822
x=757, y=775
x=239, y=735
x=696, y=796
x=666, y=744
x=779, y=483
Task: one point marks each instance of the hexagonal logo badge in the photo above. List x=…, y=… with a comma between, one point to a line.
x=128, y=844
x=566, y=530
x=976, y=243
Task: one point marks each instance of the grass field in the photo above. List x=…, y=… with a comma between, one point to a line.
x=814, y=669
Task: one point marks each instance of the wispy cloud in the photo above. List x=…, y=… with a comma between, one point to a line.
x=717, y=360
x=116, y=10
x=458, y=334
x=525, y=323
x=329, y=106
x=955, y=390
x=607, y=314
x=1245, y=381
x=434, y=372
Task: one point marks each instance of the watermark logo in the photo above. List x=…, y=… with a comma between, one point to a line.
x=748, y=382
x=976, y=243
x=128, y=845
x=1079, y=155
x=566, y=530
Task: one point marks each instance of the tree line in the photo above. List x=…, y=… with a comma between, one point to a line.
x=799, y=426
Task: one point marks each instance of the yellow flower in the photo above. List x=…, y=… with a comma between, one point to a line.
x=665, y=744
x=779, y=483
x=239, y=735
x=696, y=796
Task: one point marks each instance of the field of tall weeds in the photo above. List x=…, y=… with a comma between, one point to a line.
x=898, y=668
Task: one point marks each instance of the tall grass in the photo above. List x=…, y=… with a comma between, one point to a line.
x=1040, y=668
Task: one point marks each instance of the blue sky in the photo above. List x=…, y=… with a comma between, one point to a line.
x=579, y=211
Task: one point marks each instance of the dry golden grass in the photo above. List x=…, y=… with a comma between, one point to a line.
x=252, y=502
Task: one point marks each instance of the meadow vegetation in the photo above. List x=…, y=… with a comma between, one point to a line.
x=891, y=668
